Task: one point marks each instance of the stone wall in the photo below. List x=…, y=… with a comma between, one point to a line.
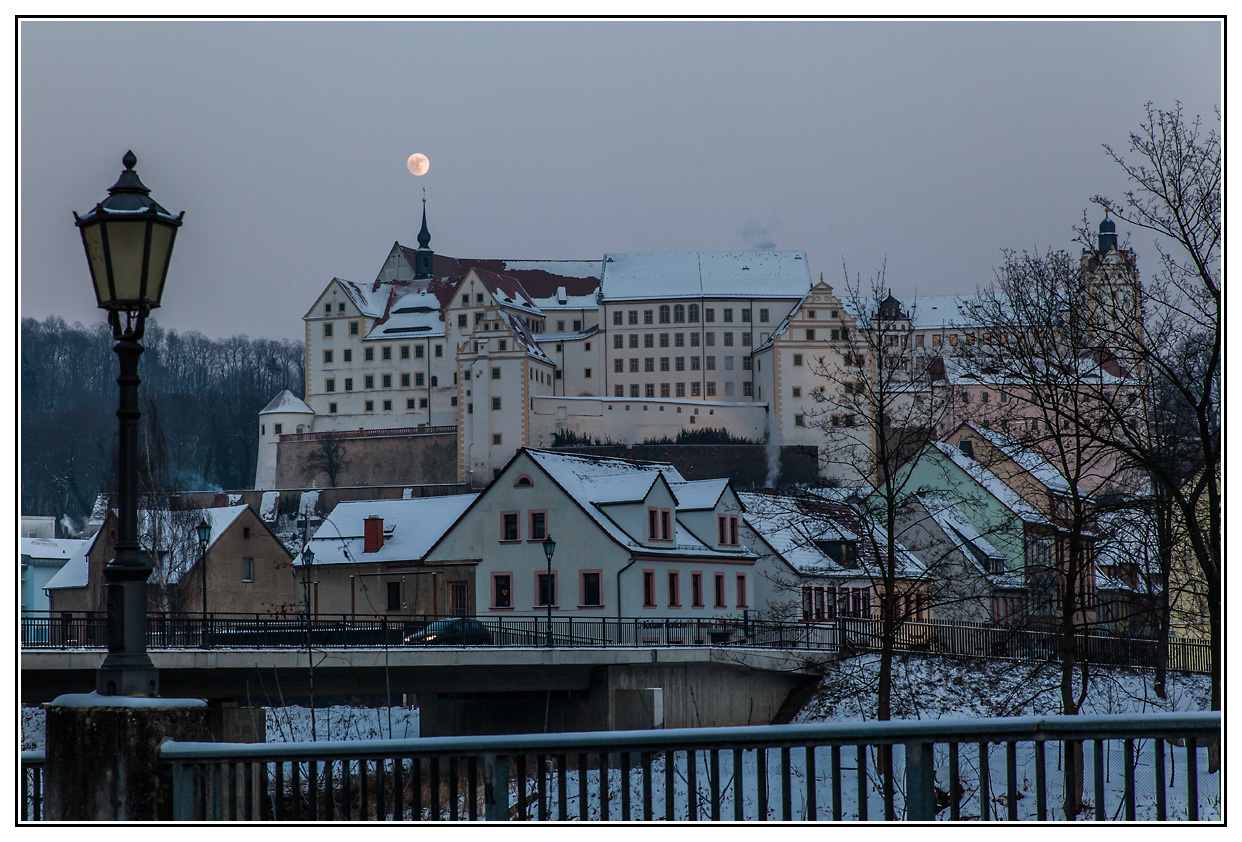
x=746, y=465
x=374, y=460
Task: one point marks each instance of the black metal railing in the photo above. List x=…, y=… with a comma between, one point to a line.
x=47, y=630
x=1155, y=767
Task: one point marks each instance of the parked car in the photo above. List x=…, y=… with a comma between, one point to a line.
x=459, y=631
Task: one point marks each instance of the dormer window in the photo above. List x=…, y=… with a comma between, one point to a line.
x=659, y=524
x=844, y=553
x=726, y=528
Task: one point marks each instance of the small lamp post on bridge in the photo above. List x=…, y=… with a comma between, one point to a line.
x=549, y=547
x=204, y=535
x=129, y=240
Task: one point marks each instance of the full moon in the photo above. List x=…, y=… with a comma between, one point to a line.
x=418, y=164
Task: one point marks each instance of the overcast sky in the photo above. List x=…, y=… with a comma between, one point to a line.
x=932, y=145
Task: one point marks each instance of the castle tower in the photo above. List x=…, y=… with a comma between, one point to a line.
x=287, y=413
x=1111, y=284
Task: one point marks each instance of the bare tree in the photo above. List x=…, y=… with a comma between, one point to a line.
x=328, y=457
x=1174, y=166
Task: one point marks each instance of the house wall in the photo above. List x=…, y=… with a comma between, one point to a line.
x=936, y=473
x=579, y=545
x=91, y=597
x=271, y=588
x=362, y=589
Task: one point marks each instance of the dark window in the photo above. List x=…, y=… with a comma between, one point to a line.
x=511, y=527
x=547, y=590
x=649, y=589
x=247, y=569
x=394, y=596
x=674, y=588
x=720, y=590
x=502, y=594
x=590, y=586
x=696, y=590
x=538, y=525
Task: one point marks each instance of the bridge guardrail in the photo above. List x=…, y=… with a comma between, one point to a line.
x=87, y=630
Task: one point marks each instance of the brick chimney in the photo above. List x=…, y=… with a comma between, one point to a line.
x=373, y=534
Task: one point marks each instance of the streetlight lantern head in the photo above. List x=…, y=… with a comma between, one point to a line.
x=129, y=240
x=549, y=547
x=204, y=531
x=308, y=556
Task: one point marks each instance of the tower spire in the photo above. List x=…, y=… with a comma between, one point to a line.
x=423, y=254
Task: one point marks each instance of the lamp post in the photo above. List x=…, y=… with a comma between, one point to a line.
x=308, y=561
x=204, y=535
x=128, y=239
x=549, y=547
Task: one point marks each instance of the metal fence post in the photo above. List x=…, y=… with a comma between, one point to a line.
x=496, y=788
x=183, y=792
x=920, y=782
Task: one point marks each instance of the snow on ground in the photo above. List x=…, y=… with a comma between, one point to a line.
x=938, y=687
x=291, y=724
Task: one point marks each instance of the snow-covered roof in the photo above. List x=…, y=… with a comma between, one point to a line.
x=370, y=301
x=699, y=494
x=286, y=401
x=711, y=274
x=73, y=573
x=793, y=525
x=567, y=302
x=411, y=527
x=414, y=314
x=169, y=533
x=55, y=549
x=1030, y=461
x=596, y=482
x=966, y=537
x=991, y=483
x=931, y=311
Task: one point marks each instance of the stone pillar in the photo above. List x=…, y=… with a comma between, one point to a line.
x=102, y=755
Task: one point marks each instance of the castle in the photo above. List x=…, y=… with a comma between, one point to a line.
x=504, y=354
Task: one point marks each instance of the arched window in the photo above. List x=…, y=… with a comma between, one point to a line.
x=694, y=312
x=679, y=313
x=524, y=481
x=664, y=314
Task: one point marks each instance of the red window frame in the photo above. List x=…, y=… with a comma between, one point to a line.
x=726, y=530
x=696, y=589
x=674, y=589
x=582, y=574
x=494, y=606
x=556, y=602
x=740, y=580
x=504, y=527
x=718, y=590
x=530, y=524
x=659, y=524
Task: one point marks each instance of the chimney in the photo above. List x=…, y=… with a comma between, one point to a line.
x=373, y=534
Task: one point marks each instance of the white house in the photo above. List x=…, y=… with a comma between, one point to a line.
x=633, y=539
x=41, y=560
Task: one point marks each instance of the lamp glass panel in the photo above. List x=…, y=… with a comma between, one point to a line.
x=125, y=244
x=161, y=247
x=92, y=239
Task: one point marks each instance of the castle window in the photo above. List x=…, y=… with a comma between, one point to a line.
x=728, y=314
x=276, y=428
x=368, y=382
x=386, y=352
x=353, y=328
x=679, y=313
x=327, y=330
x=800, y=421
x=347, y=355
x=709, y=315
x=369, y=406
x=327, y=356
x=496, y=403
x=331, y=409
x=694, y=313
x=664, y=314
x=409, y=403
x=386, y=380
x=368, y=354
x=418, y=378
x=329, y=385
x=745, y=315
x=349, y=384
x=763, y=315
x=633, y=317
x=618, y=318
x=388, y=406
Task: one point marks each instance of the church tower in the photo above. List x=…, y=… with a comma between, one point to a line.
x=1111, y=283
x=423, y=254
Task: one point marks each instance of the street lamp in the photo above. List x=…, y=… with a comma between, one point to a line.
x=549, y=547
x=128, y=239
x=204, y=535
x=308, y=559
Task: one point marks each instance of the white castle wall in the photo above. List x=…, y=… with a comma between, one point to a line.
x=634, y=421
